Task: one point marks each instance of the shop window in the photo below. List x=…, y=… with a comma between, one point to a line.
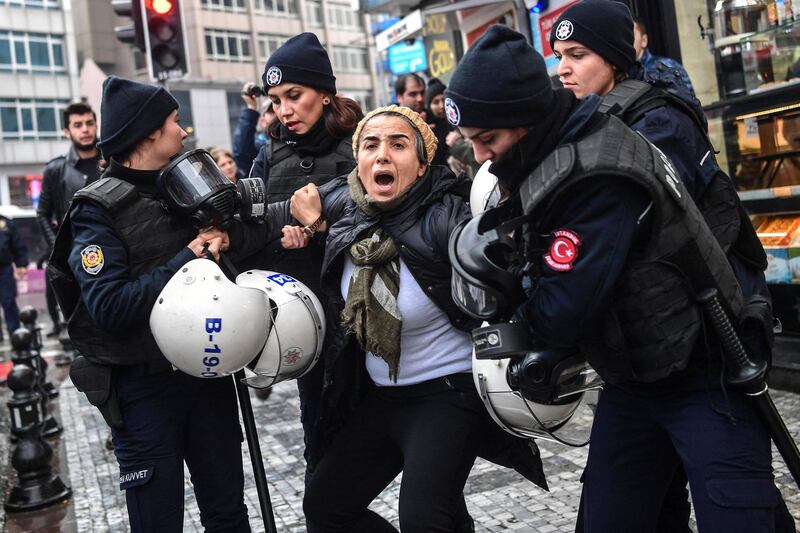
x=24, y=191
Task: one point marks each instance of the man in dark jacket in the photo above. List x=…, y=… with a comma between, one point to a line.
x=13, y=266
x=63, y=177
x=594, y=195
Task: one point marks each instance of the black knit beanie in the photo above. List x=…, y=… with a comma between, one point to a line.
x=501, y=82
x=603, y=26
x=303, y=60
x=434, y=89
x=129, y=112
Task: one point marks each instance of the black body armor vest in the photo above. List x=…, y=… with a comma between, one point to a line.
x=630, y=100
x=151, y=238
x=654, y=322
x=287, y=173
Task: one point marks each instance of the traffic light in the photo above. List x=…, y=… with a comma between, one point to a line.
x=165, y=39
x=132, y=34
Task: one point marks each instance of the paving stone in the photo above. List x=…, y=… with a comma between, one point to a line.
x=498, y=499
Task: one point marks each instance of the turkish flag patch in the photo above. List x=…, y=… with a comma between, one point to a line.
x=563, y=250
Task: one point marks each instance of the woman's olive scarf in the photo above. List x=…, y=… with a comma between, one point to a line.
x=371, y=312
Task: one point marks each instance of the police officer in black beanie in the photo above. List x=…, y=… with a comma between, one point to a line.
x=595, y=60
x=598, y=201
x=114, y=253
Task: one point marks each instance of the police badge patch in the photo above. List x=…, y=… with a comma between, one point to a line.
x=563, y=250
x=92, y=259
x=452, y=111
x=274, y=76
x=564, y=30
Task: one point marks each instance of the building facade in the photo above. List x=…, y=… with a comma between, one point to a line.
x=229, y=42
x=38, y=79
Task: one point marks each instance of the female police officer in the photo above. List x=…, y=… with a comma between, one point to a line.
x=605, y=209
x=114, y=254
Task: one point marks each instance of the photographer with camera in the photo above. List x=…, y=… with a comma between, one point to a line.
x=251, y=133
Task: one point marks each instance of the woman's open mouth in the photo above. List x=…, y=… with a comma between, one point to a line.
x=384, y=181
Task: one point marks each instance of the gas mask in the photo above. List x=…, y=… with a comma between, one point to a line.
x=194, y=186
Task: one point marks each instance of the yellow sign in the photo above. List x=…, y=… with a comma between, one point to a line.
x=441, y=58
x=435, y=24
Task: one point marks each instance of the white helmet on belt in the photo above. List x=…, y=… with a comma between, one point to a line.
x=298, y=328
x=484, y=193
x=205, y=324
x=537, y=393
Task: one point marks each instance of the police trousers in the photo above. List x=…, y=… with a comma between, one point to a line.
x=429, y=431
x=642, y=432
x=171, y=418
x=8, y=298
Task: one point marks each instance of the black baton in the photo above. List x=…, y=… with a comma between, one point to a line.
x=750, y=375
x=250, y=429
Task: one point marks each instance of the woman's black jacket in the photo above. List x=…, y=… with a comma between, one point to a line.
x=421, y=229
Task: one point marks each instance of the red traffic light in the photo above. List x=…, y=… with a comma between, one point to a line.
x=162, y=7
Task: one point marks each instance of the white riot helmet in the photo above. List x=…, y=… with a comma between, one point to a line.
x=206, y=325
x=530, y=394
x=484, y=193
x=298, y=328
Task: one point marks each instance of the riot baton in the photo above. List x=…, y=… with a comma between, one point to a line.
x=749, y=375
x=250, y=430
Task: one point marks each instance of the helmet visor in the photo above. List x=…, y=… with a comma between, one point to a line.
x=476, y=300
x=192, y=178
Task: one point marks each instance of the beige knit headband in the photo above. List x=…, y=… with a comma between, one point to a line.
x=428, y=138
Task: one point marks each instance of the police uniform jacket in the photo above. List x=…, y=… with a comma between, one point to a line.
x=12, y=248
x=121, y=248
x=421, y=231
x=594, y=233
x=60, y=181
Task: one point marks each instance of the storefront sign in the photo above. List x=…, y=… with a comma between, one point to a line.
x=405, y=57
x=440, y=45
x=402, y=30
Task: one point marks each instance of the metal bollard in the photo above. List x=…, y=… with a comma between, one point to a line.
x=28, y=316
x=22, y=341
x=37, y=485
x=68, y=352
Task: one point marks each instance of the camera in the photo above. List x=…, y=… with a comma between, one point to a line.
x=255, y=91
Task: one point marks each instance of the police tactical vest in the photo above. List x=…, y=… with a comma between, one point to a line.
x=287, y=173
x=653, y=322
x=151, y=237
x=630, y=100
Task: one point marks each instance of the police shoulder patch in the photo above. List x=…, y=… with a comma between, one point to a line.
x=563, y=250
x=92, y=259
